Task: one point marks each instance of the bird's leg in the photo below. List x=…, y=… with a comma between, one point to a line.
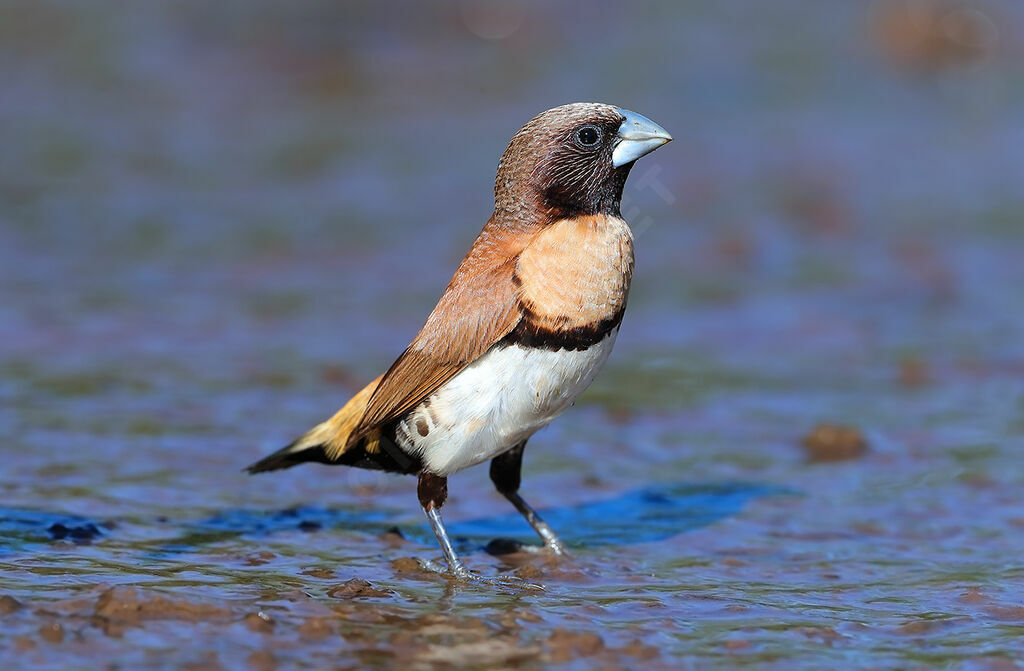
x=433, y=490
x=505, y=474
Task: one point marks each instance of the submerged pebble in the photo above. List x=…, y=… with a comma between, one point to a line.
x=79, y=533
x=357, y=589
x=834, y=442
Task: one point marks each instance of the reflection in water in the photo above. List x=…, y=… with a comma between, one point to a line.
x=19, y=528
x=639, y=516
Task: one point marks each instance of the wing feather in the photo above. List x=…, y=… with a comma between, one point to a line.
x=480, y=307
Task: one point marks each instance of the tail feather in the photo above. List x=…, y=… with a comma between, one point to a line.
x=326, y=442
x=291, y=455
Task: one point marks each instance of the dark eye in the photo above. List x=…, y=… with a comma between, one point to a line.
x=588, y=136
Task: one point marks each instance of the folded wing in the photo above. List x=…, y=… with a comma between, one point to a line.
x=480, y=307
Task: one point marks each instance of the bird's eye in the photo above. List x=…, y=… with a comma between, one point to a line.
x=588, y=136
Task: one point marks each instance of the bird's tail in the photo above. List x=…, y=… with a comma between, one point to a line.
x=325, y=442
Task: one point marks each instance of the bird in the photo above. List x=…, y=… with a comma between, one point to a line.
x=528, y=319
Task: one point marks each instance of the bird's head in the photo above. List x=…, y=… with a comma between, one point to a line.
x=572, y=160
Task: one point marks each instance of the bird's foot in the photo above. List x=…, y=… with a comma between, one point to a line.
x=551, y=548
x=507, y=546
x=459, y=573
x=555, y=547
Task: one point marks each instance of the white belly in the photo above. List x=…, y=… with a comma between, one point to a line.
x=498, y=401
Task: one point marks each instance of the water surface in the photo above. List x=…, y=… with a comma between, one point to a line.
x=218, y=222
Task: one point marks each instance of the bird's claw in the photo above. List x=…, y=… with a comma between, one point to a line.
x=461, y=574
x=507, y=546
x=556, y=549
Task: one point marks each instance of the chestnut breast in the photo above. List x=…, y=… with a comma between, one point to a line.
x=575, y=274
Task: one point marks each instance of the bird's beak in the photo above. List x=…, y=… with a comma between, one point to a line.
x=637, y=136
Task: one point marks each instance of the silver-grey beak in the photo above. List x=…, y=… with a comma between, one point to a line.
x=637, y=136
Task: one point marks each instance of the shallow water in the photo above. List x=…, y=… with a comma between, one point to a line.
x=216, y=223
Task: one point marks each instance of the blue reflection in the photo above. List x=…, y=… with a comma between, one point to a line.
x=639, y=516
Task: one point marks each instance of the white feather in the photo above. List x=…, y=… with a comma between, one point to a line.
x=498, y=401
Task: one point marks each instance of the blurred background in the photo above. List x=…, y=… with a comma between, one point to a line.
x=217, y=220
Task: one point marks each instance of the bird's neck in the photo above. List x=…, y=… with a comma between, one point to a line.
x=532, y=206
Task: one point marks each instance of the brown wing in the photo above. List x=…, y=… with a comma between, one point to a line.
x=480, y=307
